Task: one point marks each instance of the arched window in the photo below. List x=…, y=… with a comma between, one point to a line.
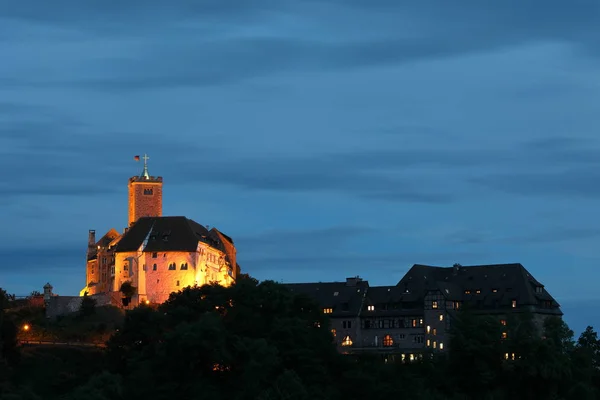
x=347, y=341
x=388, y=341
x=172, y=267
x=184, y=266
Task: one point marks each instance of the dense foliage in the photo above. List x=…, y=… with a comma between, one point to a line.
x=258, y=341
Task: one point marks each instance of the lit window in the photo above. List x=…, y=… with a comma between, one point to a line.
x=441, y=346
x=414, y=323
x=478, y=291
x=494, y=290
x=467, y=292
x=434, y=331
x=428, y=342
x=504, y=335
x=428, y=328
x=317, y=324
x=514, y=304
x=441, y=317
x=371, y=308
x=388, y=341
x=435, y=345
x=503, y=322
x=336, y=293
x=333, y=332
x=347, y=341
x=421, y=322
x=327, y=310
x=434, y=304
x=411, y=357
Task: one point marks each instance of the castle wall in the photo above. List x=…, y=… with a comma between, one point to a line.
x=63, y=305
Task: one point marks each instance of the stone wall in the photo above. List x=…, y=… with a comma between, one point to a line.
x=144, y=205
x=63, y=305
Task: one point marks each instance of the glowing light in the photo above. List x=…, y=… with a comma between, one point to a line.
x=147, y=301
x=26, y=327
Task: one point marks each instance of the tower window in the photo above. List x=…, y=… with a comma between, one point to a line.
x=434, y=304
x=154, y=267
x=177, y=283
x=154, y=255
x=148, y=192
x=172, y=267
x=184, y=266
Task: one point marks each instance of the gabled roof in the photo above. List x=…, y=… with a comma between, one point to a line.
x=167, y=234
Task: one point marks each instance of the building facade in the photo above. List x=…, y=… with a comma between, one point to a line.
x=157, y=255
x=414, y=316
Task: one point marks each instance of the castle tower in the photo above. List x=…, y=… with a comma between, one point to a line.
x=145, y=194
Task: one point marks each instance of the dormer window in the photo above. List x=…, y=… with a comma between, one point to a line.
x=539, y=289
x=514, y=304
x=434, y=304
x=184, y=266
x=494, y=290
x=478, y=291
x=371, y=308
x=327, y=310
x=467, y=291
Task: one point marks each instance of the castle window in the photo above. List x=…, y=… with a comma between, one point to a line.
x=347, y=341
x=494, y=290
x=148, y=192
x=371, y=308
x=177, y=283
x=401, y=336
x=333, y=332
x=514, y=304
x=434, y=331
x=388, y=341
x=184, y=266
x=154, y=267
x=347, y=324
x=327, y=310
x=144, y=267
x=125, y=267
x=503, y=322
x=154, y=255
x=419, y=339
x=467, y=291
x=172, y=267
x=478, y=291
x=441, y=317
x=504, y=335
x=434, y=304
x=428, y=328
x=441, y=346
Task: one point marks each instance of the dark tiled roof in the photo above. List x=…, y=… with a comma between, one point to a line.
x=343, y=297
x=169, y=234
x=493, y=285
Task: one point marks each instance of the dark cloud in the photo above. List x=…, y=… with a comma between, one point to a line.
x=187, y=58
x=554, y=235
x=46, y=260
x=569, y=183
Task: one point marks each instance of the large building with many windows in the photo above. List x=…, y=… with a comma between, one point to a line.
x=414, y=316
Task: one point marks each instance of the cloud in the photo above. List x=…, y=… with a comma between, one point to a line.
x=47, y=260
x=581, y=182
x=212, y=42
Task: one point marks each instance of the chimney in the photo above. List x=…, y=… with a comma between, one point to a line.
x=91, y=243
x=353, y=281
x=455, y=268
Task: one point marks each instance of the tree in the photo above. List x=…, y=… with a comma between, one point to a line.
x=35, y=293
x=88, y=306
x=251, y=340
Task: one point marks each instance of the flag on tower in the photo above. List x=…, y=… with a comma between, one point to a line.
x=136, y=158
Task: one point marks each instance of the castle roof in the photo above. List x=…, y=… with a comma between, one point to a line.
x=163, y=234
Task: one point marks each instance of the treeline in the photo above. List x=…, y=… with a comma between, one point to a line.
x=258, y=341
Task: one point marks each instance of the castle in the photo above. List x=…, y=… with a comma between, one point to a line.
x=156, y=255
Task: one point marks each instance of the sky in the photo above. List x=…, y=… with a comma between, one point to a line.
x=329, y=138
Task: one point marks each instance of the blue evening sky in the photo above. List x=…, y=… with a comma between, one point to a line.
x=329, y=138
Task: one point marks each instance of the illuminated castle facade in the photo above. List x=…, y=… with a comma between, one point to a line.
x=157, y=255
